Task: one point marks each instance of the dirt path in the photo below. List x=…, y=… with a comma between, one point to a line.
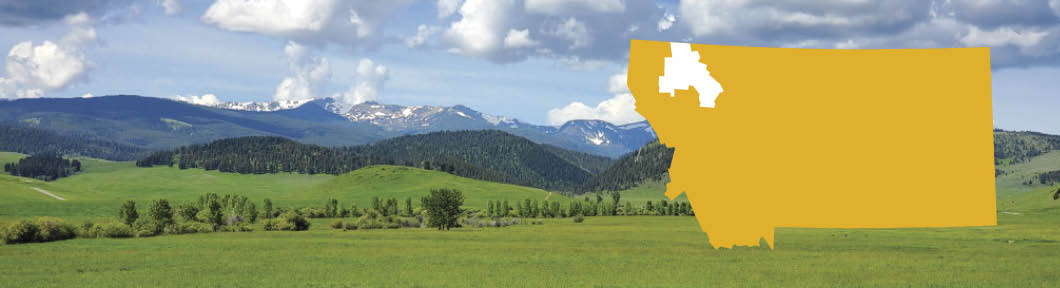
x=45, y=192
x=549, y=195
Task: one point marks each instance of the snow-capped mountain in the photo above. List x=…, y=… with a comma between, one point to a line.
x=263, y=106
x=590, y=136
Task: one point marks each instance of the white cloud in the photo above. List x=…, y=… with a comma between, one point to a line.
x=557, y=7
x=423, y=33
x=205, y=100
x=617, y=84
x=324, y=21
x=309, y=74
x=171, y=7
x=477, y=31
x=575, y=31
x=519, y=39
x=618, y=110
x=270, y=17
x=564, y=30
x=447, y=8
x=666, y=22
x=1001, y=37
x=32, y=70
x=367, y=84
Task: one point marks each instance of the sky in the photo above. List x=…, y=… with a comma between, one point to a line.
x=541, y=61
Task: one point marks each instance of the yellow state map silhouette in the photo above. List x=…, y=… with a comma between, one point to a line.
x=825, y=138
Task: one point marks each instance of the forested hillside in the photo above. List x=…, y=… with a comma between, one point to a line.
x=1014, y=147
x=521, y=161
x=262, y=154
x=650, y=162
x=26, y=140
x=486, y=155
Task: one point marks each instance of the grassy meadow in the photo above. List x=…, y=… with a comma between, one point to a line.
x=620, y=251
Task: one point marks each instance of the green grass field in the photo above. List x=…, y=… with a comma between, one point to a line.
x=657, y=251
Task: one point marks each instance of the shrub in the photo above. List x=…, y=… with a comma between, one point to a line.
x=337, y=224
x=146, y=227
x=349, y=226
x=22, y=231
x=289, y=221
x=115, y=230
x=237, y=228
x=188, y=228
x=579, y=218
x=53, y=229
x=187, y=211
x=87, y=230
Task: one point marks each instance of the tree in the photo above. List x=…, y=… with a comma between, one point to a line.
x=128, y=214
x=443, y=207
x=354, y=212
x=489, y=208
x=268, y=208
x=252, y=212
x=378, y=206
x=161, y=212
x=408, y=206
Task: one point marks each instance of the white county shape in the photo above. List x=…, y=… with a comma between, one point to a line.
x=683, y=70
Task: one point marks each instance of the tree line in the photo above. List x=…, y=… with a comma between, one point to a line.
x=487, y=155
x=650, y=162
x=28, y=140
x=46, y=166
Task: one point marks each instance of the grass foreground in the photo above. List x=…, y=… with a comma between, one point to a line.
x=622, y=251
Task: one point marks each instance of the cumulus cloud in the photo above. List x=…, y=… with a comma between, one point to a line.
x=423, y=33
x=205, y=100
x=1019, y=32
x=309, y=74
x=26, y=13
x=558, y=7
x=447, y=8
x=666, y=22
x=367, y=84
x=34, y=69
x=519, y=39
x=321, y=22
x=171, y=7
x=569, y=31
x=619, y=109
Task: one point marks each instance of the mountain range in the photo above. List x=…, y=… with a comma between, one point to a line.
x=156, y=123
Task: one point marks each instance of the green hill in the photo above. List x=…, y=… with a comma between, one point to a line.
x=104, y=185
x=489, y=155
x=401, y=182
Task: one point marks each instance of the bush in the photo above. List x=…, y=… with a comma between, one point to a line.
x=87, y=230
x=147, y=227
x=114, y=230
x=188, y=228
x=237, y=228
x=289, y=221
x=579, y=218
x=337, y=224
x=22, y=231
x=53, y=229
x=349, y=226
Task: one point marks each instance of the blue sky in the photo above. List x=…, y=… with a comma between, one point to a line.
x=542, y=61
